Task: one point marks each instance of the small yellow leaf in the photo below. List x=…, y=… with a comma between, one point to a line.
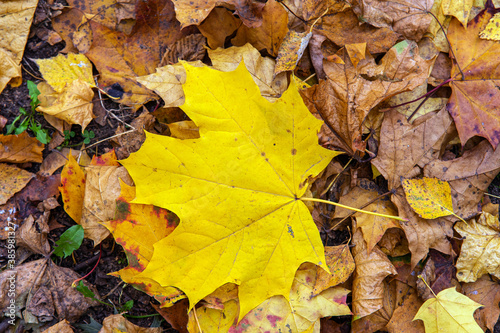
x=449, y=312
x=62, y=70
x=480, y=249
x=429, y=197
x=356, y=52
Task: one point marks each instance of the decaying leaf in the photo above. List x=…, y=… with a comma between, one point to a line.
x=408, y=18
x=480, y=249
x=341, y=264
x=43, y=280
x=249, y=204
x=291, y=50
x=344, y=28
x=449, y=311
x=491, y=31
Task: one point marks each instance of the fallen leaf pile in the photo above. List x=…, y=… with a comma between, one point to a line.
x=271, y=165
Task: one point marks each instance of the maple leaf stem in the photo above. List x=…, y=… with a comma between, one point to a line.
x=354, y=209
x=425, y=282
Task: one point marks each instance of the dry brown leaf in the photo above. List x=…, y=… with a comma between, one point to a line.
x=188, y=48
x=270, y=34
x=394, y=243
x=217, y=26
x=115, y=14
x=371, y=270
x=102, y=188
x=61, y=327
x=341, y=263
x=373, y=227
x=33, y=234
x=403, y=146
x=481, y=248
x=131, y=142
x=20, y=149
x=344, y=28
x=377, y=320
x=43, y=279
x=117, y=323
x=14, y=180
x=176, y=315
x=15, y=23
x=469, y=176
x=190, y=12
x=312, y=9
x=347, y=96
x=408, y=18
x=422, y=234
x=485, y=291
x=402, y=317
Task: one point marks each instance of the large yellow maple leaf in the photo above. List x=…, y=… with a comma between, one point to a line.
x=237, y=190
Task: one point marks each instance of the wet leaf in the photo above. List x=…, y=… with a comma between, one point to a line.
x=429, y=197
